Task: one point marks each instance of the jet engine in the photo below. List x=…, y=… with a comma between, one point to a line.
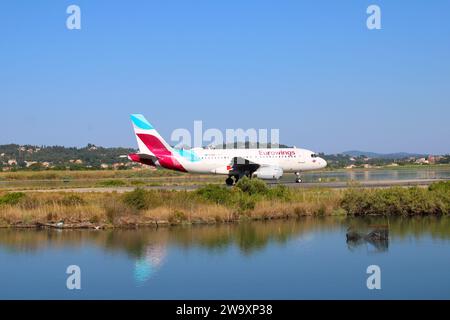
x=268, y=173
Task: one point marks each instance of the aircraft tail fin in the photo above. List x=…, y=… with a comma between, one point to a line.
x=148, y=139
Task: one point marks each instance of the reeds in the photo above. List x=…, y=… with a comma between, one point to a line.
x=212, y=204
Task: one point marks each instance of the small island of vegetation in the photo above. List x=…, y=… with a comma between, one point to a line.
x=249, y=199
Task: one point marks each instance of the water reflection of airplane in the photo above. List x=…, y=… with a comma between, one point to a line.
x=378, y=238
x=150, y=263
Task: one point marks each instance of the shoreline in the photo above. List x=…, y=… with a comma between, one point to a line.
x=142, y=225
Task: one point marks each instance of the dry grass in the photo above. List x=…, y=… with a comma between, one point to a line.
x=318, y=202
x=87, y=174
x=200, y=213
x=52, y=179
x=98, y=176
x=212, y=204
x=164, y=207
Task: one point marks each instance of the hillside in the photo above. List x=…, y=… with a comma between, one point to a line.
x=29, y=157
x=397, y=155
x=59, y=156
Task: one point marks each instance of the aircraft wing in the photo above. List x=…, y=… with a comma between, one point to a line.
x=241, y=166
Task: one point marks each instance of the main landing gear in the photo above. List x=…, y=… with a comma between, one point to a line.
x=298, y=180
x=229, y=181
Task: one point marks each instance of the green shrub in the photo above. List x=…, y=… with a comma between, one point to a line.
x=246, y=203
x=396, y=201
x=112, y=183
x=12, y=198
x=216, y=193
x=136, y=199
x=252, y=186
x=281, y=192
x=440, y=186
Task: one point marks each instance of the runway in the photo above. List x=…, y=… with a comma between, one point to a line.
x=305, y=185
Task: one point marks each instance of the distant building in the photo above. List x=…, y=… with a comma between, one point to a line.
x=438, y=158
x=393, y=164
x=118, y=165
x=350, y=166
x=29, y=163
x=421, y=161
x=104, y=166
x=12, y=162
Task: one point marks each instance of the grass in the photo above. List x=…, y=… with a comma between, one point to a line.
x=88, y=174
x=112, y=183
x=248, y=200
x=26, y=180
x=12, y=198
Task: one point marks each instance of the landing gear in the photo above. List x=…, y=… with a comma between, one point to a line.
x=235, y=178
x=298, y=180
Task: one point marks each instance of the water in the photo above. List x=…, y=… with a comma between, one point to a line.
x=377, y=174
x=295, y=259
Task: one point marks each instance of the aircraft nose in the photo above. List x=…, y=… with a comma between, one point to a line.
x=323, y=163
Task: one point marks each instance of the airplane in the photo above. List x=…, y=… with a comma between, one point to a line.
x=266, y=164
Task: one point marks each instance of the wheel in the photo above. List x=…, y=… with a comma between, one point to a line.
x=229, y=181
x=298, y=180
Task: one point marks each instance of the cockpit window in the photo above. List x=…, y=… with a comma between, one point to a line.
x=313, y=155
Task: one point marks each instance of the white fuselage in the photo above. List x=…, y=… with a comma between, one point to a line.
x=217, y=161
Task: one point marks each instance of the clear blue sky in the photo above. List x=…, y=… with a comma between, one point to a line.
x=310, y=68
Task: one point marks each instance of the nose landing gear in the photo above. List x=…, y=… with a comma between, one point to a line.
x=229, y=181
x=298, y=179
